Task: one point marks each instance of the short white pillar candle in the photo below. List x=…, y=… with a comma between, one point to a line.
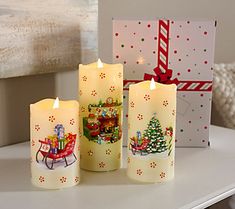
x=151, y=131
x=54, y=143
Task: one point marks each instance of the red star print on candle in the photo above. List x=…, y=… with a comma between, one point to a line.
x=93, y=93
x=139, y=172
x=41, y=179
x=101, y=164
x=63, y=179
x=162, y=175
x=153, y=164
x=140, y=117
x=112, y=88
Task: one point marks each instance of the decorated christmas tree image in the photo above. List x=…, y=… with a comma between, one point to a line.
x=157, y=143
x=153, y=139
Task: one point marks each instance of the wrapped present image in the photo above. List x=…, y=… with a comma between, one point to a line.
x=54, y=148
x=171, y=52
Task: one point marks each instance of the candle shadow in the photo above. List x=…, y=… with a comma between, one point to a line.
x=16, y=176
x=116, y=177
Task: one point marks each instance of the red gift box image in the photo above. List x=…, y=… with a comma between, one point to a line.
x=171, y=51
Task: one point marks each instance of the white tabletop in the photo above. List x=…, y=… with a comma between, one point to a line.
x=203, y=176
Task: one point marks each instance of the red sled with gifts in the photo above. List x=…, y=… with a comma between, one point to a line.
x=139, y=148
x=171, y=51
x=50, y=156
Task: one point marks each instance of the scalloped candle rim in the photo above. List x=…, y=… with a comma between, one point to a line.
x=95, y=65
x=47, y=104
x=145, y=85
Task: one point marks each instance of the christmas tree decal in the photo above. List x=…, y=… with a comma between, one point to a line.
x=154, y=134
x=153, y=140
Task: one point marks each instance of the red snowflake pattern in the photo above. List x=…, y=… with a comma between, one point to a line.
x=93, y=93
x=51, y=118
x=77, y=179
x=90, y=153
x=112, y=88
x=63, y=179
x=37, y=127
x=72, y=122
x=41, y=179
x=153, y=165
x=140, y=117
x=162, y=175
x=128, y=160
x=84, y=78
x=132, y=104
x=165, y=103
x=120, y=75
x=147, y=97
x=83, y=109
x=102, y=75
x=101, y=164
x=139, y=172
x=108, y=152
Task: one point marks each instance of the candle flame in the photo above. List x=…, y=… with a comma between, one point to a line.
x=100, y=64
x=56, y=103
x=152, y=84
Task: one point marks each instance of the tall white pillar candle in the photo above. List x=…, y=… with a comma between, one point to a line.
x=100, y=97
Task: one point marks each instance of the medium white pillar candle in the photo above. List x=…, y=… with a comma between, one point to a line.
x=54, y=143
x=151, y=131
x=100, y=97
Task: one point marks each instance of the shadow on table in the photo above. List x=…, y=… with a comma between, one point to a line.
x=15, y=175
x=117, y=177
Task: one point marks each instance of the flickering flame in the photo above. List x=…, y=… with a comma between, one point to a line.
x=56, y=103
x=152, y=84
x=100, y=64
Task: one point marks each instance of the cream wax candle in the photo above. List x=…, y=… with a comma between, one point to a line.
x=100, y=97
x=54, y=143
x=151, y=131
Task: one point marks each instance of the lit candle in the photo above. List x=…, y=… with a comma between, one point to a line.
x=54, y=143
x=151, y=131
x=100, y=97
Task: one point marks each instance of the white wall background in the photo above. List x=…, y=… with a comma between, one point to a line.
x=222, y=11
x=17, y=93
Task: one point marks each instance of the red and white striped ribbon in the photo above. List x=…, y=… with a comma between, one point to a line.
x=162, y=73
x=182, y=85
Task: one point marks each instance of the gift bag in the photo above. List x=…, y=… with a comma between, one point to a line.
x=171, y=51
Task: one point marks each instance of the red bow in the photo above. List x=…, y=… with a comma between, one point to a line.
x=161, y=77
